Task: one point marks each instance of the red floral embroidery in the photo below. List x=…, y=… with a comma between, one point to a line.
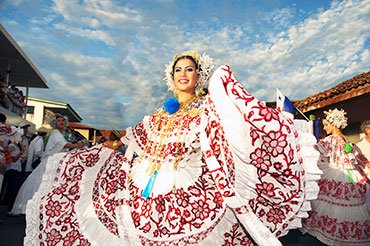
x=74, y=189
x=53, y=208
x=236, y=236
x=61, y=189
x=341, y=190
x=182, y=198
x=261, y=159
x=160, y=204
x=53, y=237
x=135, y=218
x=70, y=238
x=201, y=209
x=275, y=215
x=340, y=231
x=207, y=153
x=92, y=159
x=266, y=189
x=275, y=142
x=267, y=113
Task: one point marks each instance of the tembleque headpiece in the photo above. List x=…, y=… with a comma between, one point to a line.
x=336, y=117
x=205, y=69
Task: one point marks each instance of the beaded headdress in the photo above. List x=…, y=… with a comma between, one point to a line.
x=205, y=66
x=336, y=117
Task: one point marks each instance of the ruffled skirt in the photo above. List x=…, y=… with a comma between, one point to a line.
x=28, y=189
x=93, y=201
x=340, y=216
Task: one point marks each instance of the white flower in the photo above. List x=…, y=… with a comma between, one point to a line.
x=337, y=117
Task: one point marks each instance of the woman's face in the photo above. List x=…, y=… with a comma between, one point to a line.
x=328, y=127
x=367, y=131
x=185, y=75
x=60, y=123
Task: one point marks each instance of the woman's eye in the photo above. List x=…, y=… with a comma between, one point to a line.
x=189, y=69
x=177, y=70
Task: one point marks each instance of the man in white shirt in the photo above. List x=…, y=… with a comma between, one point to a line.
x=36, y=149
x=13, y=176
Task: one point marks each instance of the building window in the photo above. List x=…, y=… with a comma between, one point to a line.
x=30, y=109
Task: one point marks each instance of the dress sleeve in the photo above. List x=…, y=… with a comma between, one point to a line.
x=136, y=136
x=325, y=145
x=55, y=144
x=257, y=151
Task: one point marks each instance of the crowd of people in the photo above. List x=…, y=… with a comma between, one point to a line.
x=11, y=97
x=23, y=173
x=213, y=165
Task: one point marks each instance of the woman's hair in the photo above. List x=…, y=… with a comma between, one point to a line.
x=54, y=121
x=185, y=57
x=2, y=118
x=364, y=125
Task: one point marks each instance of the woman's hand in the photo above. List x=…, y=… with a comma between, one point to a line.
x=112, y=144
x=80, y=145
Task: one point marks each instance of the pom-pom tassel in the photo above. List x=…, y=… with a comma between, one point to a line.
x=171, y=105
x=348, y=148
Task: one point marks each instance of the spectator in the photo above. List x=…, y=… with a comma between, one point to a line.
x=364, y=143
x=24, y=144
x=7, y=134
x=36, y=148
x=4, y=129
x=13, y=176
x=56, y=143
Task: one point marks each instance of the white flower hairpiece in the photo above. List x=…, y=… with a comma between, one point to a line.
x=337, y=117
x=206, y=68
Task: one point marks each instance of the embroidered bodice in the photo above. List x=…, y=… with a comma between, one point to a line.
x=168, y=136
x=332, y=148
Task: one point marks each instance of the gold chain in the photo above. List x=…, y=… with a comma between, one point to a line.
x=166, y=128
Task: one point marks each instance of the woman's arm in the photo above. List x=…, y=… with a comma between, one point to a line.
x=74, y=145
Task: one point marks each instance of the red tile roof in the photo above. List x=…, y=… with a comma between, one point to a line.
x=353, y=87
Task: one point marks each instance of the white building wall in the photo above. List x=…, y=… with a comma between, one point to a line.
x=38, y=113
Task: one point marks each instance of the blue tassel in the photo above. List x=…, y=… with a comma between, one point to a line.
x=149, y=185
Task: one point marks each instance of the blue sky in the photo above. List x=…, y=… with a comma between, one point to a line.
x=106, y=58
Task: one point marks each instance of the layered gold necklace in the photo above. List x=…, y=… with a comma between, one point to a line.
x=165, y=124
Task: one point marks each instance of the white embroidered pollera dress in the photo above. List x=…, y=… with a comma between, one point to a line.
x=223, y=170
x=339, y=216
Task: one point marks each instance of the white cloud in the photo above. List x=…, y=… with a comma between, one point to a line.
x=312, y=54
x=119, y=80
x=106, y=12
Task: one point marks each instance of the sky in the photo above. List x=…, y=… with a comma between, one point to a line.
x=106, y=58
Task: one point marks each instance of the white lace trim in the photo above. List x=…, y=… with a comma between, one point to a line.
x=90, y=225
x=33, y=211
